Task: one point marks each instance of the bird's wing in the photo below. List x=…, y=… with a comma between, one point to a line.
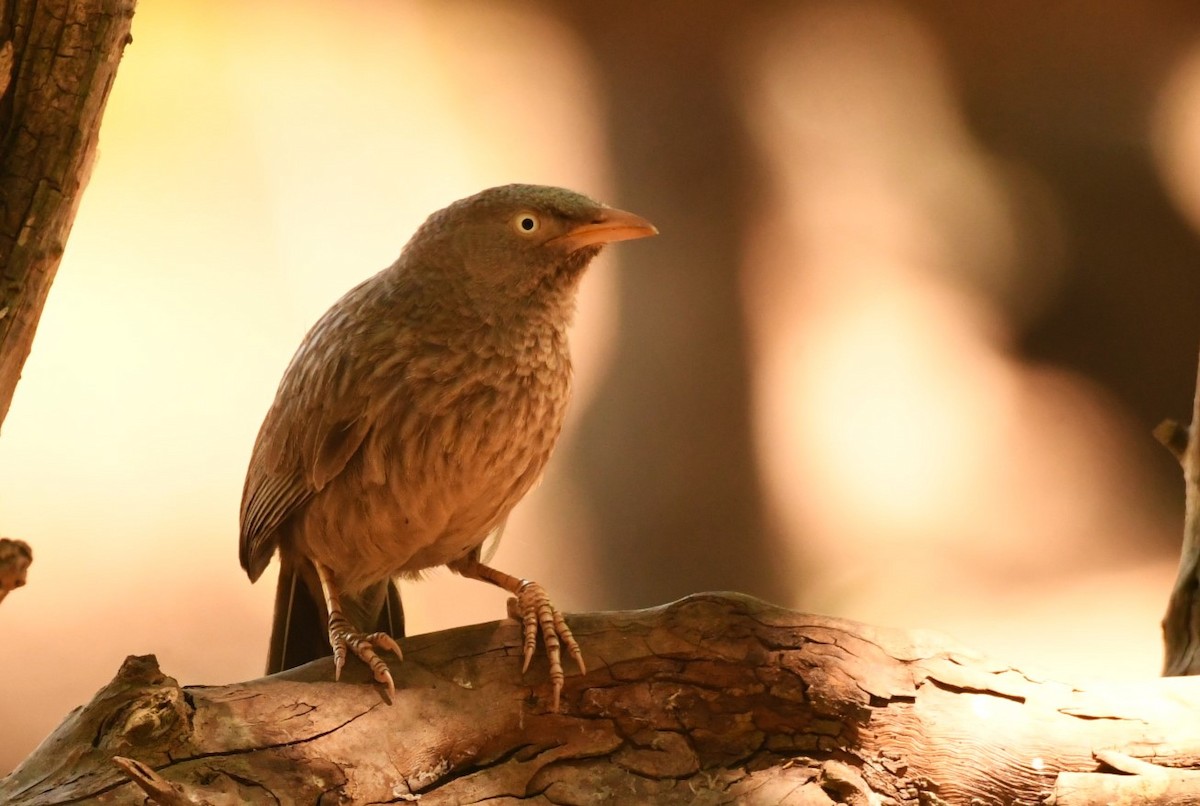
x=274, y=491
x=313, y=429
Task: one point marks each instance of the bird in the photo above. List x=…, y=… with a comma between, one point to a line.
x=415, y=414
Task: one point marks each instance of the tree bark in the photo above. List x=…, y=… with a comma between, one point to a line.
x=57, y=63
x=15, y=559
x=1181, y=624
x=717, y=698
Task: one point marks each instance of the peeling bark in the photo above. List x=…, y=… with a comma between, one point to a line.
x=717, y=698
x=58, y=59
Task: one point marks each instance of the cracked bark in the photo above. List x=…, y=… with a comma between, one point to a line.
x=717, y=698
x=58, y=59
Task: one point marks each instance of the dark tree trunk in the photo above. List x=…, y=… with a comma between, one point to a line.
x=667, y=454
x=58, y=59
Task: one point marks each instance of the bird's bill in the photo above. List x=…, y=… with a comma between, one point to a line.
x=609, y=226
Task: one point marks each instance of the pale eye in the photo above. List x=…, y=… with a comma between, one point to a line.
x=526, y=223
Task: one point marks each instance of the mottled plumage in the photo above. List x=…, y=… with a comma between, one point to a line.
x=419, y=410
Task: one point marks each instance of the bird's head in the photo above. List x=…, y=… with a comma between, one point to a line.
x=519, y=243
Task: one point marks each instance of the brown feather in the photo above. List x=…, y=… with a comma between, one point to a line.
x=422, y=406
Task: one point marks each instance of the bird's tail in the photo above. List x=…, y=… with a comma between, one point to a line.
x=300, y=630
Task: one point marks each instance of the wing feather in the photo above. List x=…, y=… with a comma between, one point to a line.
x=313, y=429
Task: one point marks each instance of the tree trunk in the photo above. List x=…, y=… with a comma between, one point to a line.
x=1181, y=624
x=666, y=454
x=717, y=698
x=58, y=59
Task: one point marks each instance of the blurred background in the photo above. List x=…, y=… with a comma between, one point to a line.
x=928, y=276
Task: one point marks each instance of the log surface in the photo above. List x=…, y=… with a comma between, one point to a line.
x=717, y=698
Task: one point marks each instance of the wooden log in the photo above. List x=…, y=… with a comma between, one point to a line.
x=716, y=698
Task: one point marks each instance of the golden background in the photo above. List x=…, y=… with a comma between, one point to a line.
x=904, y=371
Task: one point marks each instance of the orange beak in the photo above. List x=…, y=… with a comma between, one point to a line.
x=609, y=225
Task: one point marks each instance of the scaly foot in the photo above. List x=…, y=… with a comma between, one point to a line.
x=343, y=637
x=534, y=610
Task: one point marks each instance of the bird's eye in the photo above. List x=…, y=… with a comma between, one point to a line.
x=526, y=223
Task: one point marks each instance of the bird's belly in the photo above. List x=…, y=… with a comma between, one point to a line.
x=400, y=508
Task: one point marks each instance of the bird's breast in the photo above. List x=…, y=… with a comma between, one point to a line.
x=458, y=437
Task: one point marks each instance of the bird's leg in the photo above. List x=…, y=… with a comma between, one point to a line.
x=534, y=610
x=343, y=635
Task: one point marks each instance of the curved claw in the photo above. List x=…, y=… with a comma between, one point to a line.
x=343, y=637
x=339, y=655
